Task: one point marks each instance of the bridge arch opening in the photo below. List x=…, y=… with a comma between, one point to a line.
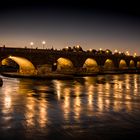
x=64, y=64
x=122, y=64
x=91, y=65
x=132, y=64
x=109, y=64
x=138, y=64
x=9, y=65
x=25, y=66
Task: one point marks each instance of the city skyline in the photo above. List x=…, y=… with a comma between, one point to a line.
x=60, y=25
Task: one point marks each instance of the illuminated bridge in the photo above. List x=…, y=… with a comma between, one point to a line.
x=46, y=60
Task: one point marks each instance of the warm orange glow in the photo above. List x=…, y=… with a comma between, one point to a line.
x=108, y=64
x=127, y=53
x=90, y=64
x=135, y=54
x=64, y=63
x=43, y=42
x=122, y=64
x=132, y=64
x=31, y=43
x=25, y=66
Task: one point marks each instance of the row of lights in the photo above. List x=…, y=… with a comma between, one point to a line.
x=43, y=43
x=116, y=51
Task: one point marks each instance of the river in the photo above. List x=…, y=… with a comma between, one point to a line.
x=100, y=107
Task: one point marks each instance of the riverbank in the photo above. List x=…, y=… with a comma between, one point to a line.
x=68, y=75
x=45, y=76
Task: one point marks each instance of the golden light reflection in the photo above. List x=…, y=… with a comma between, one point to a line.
x=30, y=112
x=120, y=85
x=42, y=113
x=74, y=100
x=127, y=80
x=135, y=84
x=66, y=103
x=77, y=108
x=107, y=103
x=77, y=89
x=90, y=92
x=77, y=102
x=116, y=105
x=7, y=102
x=100, y=103
x=100, y=88
x=58, y=86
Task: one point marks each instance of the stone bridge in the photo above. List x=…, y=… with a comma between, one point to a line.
x=67, y=60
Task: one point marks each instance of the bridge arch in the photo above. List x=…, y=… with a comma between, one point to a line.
x=109, y=64
x=64, y=64
x=131, y=64
x=138, y=64
x=25, y=66
x=122, y=64
x=91, y=65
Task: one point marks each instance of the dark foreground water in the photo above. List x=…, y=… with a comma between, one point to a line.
x=102, y=107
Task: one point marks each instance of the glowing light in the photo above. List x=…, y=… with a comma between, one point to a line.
x=26, y=67
x=107, y=51
x=135, y=54
x=100, y=49
x=43, y=43
x=31, y=43
x=67, y=47
x=116, y=51
x=122, y=64
x=78, y=46
x=132, y=64
x=108, y=64
x=90, y=50
x=90, y=64
x=63, y=63
x=127, y=53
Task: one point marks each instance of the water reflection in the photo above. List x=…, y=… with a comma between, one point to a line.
x=41, y=103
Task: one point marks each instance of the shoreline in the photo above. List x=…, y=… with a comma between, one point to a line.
x=66, y=76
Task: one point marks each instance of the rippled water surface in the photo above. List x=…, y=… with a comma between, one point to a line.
x=101, y=107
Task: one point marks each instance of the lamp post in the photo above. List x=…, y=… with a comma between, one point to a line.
x=135, y=54
x=127, y=53
x=43, y=43
x=116, y=51
x=31, y=43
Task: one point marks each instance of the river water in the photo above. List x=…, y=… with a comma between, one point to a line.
x=100, y=107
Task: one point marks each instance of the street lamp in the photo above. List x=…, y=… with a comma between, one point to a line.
x=43, y=43
x=127, y=53
x=31, y=43
x=135, y=54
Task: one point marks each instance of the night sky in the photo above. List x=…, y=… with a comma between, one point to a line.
x=94, y=25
